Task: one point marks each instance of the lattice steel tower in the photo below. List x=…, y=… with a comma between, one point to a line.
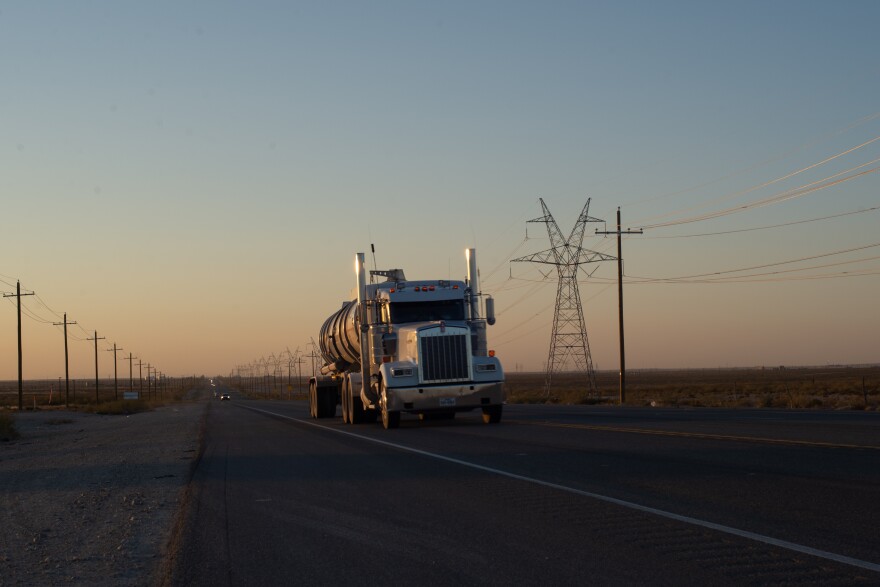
x=569, y=340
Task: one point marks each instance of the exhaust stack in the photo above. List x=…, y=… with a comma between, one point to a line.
x=473, y=282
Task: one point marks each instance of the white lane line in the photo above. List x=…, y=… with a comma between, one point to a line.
x=627, y=504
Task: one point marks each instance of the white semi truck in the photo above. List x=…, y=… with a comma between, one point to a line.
x=424, y=348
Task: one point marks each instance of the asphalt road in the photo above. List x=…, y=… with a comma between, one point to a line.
x=552, y=495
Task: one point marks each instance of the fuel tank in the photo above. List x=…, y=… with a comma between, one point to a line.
x=339, y=338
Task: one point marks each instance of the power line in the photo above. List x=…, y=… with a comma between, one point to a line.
x=764, y=266
x=750, y=278
x=782, y=156
x=644, y=223
x=768, y=227
x=791, y=194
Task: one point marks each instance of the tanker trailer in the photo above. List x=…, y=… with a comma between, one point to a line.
x=408, y=346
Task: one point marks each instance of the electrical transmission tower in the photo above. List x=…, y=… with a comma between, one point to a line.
x=569, y=340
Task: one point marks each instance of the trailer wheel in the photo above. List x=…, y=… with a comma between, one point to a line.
x=330, y=400
x=325, y=404
x=390, y=419
x=492, y=414
x=313, y=400
x=346, y=401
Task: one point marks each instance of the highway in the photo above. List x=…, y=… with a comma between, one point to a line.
x=558, y=495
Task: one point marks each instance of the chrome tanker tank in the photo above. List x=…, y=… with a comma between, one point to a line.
x=339, y=341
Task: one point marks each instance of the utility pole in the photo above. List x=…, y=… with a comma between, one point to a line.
x=289, y=382
x=66, y=370
x=620, y=232
x=141, y=377
x=130, y=372
x=299, y=362
x=96, y=339
x=18, y=295
x=148, y=379
x=115, y=377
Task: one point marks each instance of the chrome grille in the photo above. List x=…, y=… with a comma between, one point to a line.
x=444, y=357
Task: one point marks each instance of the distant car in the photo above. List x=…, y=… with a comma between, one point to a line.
x=224, y=396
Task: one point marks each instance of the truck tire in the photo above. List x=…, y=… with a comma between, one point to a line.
x=313, y=400
x=492, y=414
x=355, y=408
x=346, y=401
x=390, y=419
x=352, y=407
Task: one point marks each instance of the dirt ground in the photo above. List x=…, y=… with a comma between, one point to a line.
x=87, y=499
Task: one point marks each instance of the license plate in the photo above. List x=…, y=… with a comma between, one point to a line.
x=446, y=402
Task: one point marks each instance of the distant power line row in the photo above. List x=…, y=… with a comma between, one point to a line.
x=266, y=373
x=154, y=376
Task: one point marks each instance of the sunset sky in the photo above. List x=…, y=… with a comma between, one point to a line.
x=192, y=180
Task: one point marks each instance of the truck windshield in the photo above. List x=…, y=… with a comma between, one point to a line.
x=403, y=312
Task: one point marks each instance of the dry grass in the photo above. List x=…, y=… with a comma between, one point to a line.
x=120, y=407
x=853, y=388
x=44, y=394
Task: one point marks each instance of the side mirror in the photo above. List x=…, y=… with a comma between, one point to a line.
x=490, y=310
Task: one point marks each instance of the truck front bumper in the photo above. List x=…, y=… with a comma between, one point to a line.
x=445, y=397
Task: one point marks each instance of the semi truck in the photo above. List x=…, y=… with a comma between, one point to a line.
x=403, y=346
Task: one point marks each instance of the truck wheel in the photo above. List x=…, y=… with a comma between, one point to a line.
x=492, y=414
x=390, y=419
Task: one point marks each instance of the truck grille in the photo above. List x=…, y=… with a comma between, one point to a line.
x=444, y=357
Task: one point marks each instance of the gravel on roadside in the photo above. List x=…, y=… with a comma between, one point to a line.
x=87, y=499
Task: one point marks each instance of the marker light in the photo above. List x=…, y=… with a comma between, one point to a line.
x=491, y=353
